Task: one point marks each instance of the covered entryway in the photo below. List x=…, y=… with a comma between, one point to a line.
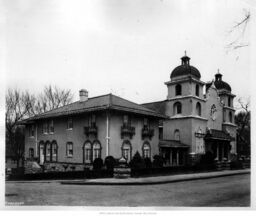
x=218, y=143
x=173, y=152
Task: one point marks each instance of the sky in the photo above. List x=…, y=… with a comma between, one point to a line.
x=128, y=48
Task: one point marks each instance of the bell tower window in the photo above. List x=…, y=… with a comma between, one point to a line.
x=177, y=108
x=197, y=90
x=178, y=89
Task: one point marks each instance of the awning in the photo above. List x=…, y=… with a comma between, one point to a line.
x=217, y=134
x=172, y=144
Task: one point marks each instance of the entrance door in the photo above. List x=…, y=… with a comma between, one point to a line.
x=41, y=152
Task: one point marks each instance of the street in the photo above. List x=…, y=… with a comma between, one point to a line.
x=233, y=191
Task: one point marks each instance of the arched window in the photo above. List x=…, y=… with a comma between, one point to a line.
x=230, y=117
x=177, y=108
x=87, y=152
x=178, y=90
x=146, y=150
x=54, y=151
x=198, y=109
x=127, y=150
x=177, y=135
x=197, y=90
x=96, y=150
x=48, y=151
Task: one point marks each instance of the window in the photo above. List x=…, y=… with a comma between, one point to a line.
x=198, y=109
x=126, y=150
x=177, y=135
x=70, y=149
x=96, y=150
x=145, y=122
x=160, y=133
x=146, y=150
x=48, y=151
x=31, y=153
x=54, y=151
x=51, y=126
x=230, y=117
x=87, y=152
x=92, y=120
x=70, y=124
x=31, y=130
x=178, y=90
x=127, y=120
x=229, y=101
x=197, y=90
x=45, y=128
x=177, y=108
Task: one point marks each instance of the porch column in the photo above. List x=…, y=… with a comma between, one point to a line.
x=177, y=157
x=170, y=157
x=217, y=151
x=223, y=151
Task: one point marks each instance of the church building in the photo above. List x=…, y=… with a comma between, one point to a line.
x=195, y=118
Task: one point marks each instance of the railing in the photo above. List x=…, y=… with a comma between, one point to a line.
x=127, y=130
x=91, y=130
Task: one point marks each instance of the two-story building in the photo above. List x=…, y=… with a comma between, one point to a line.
x=73, y=136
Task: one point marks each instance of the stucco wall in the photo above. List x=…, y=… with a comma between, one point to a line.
x=116, y=121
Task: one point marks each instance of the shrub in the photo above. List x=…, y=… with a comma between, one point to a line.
x=137, y=161
x=158, y=161
x=97, y=164
x=207, y=158
x=148, y=163
x=110, y=162
x=237, y=164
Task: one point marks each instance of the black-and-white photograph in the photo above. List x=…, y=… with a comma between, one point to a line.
x=127, y=103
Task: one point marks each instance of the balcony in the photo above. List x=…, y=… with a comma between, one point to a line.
x=146, y=132
x=91, y=130
x=127, y=130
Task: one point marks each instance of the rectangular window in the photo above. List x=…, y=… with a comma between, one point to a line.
x=96, y=153
x=31, y=152
x=145, y=122
x=31, y=130
x=126, y=120
x=45, y=128
x=92, y=120
x=70, y=124
x=51, y=126
x=70, y=149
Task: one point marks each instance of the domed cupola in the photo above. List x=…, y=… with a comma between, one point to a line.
x=220, y=84
x=185, y=69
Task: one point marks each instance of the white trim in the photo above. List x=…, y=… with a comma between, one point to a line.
x=190, y=116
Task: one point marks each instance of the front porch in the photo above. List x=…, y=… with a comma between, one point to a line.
x=218, y=143
x=173, y=152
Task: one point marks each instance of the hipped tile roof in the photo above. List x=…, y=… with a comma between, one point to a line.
x=104, y=102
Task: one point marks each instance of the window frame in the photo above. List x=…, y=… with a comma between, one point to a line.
x=177, y=106
x=31, y=153
x=147, y=153
x=198, y=109
x=197, y=91
x=51, y=126
x=177, y=134
x=178, y=90
x=68, y=149
x=96, y=152
x=70, y=123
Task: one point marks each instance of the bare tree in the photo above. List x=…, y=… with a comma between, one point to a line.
x=243, y=121
x=20, y=105
x=17, y=108
x=238, y=32
x=51, y=98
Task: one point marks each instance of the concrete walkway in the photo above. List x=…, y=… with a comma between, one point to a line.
x=157, y=179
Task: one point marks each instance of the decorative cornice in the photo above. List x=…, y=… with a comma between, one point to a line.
x=229, y=124
x=189, y=116
x=185, y=97
x=185, y=79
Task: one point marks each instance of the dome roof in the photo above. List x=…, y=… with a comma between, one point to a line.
x=219, y=83
x=185, y=69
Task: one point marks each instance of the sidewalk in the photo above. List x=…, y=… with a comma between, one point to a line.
x=157, y=179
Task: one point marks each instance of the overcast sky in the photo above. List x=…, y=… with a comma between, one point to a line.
x=125, y=47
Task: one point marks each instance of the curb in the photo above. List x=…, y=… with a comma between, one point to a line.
x=150, y=182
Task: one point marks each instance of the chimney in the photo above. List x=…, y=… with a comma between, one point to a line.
x=83, y=93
